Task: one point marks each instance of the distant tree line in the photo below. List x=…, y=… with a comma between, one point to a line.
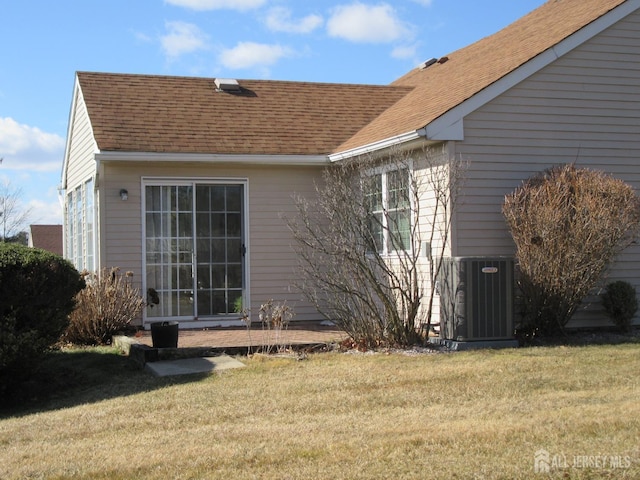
x=13, y=217
x=21, y=237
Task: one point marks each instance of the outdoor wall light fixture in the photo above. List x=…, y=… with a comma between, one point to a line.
x=124, y=195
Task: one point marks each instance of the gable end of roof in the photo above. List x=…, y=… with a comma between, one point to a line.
x=446, y=92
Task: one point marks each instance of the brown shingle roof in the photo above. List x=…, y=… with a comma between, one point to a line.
x=146, y=113
x=469, y=70
x=47, y=237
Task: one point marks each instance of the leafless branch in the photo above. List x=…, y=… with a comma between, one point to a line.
x=362, y=253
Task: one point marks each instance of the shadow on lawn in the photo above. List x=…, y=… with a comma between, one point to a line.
x=71, y=377
x=586, y=337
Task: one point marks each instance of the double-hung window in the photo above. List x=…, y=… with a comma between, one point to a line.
x=389, y=210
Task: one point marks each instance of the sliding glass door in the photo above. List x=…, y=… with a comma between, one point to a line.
x=219, y=249
x=195, y=250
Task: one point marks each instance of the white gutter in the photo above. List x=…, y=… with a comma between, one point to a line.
x=297, y=160
x=382, y=144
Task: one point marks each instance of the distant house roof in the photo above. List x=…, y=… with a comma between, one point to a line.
x=443, y=86
x=46, y=237
x=164, y=114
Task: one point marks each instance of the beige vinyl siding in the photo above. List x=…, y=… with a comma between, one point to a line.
x=122, y=228
x=427, y=175
x=583, y=108
x=272, y=261
x=432, y=234
x=80, y=167
x=81, y=164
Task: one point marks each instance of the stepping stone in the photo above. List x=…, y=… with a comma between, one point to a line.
x=187, y=366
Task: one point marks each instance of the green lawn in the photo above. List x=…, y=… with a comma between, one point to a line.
x=480, y=414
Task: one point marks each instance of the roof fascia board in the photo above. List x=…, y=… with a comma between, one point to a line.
x=440, y=128
x=373, y=147
x=292, y=160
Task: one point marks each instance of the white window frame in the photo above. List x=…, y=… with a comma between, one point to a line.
x=194, y=181
x=80, y=247
x=383, y=172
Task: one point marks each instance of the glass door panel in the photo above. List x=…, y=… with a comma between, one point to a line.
x=194, y=250
x=220, y=259
x=169, y=250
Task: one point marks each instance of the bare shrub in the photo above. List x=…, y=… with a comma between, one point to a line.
x=105, y=307
x=275, y=318
x=568, y=224
x=245, y=317
x=371, y=245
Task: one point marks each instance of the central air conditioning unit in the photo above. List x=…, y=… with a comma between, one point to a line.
x=476, y=298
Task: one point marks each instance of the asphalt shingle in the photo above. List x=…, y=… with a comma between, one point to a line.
x=443, y=86
x=148, y=113
x=163, y=114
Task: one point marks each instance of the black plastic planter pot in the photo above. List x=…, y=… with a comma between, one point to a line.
x=164, y=334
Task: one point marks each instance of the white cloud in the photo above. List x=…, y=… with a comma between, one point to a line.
x=250, y=54
x=44, y=212
x=366, y=23
x=217, y=4
x=182, y=38
x=142, y=37
x=404, y=52
x=279, y=20
x=28, y=148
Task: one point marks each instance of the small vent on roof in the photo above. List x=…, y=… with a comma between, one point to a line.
x=427, y=63
x=227, y=85
x=443, y=60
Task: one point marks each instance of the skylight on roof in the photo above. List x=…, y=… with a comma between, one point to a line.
x=227, y=84
x=427, y=63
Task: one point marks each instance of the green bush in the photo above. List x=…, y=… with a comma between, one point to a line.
x=37, y=291
x=105, y=307
x=620, y=303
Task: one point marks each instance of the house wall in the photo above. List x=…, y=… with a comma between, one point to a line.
x=583, y=108
x=81, y=164
x=432, y=174
x=270, y=189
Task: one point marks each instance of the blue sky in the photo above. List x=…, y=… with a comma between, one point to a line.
x=43, y=43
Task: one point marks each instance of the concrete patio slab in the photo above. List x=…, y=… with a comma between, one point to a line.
x=188, y=366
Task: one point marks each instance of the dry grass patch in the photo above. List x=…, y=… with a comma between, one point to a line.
x=465, y=415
